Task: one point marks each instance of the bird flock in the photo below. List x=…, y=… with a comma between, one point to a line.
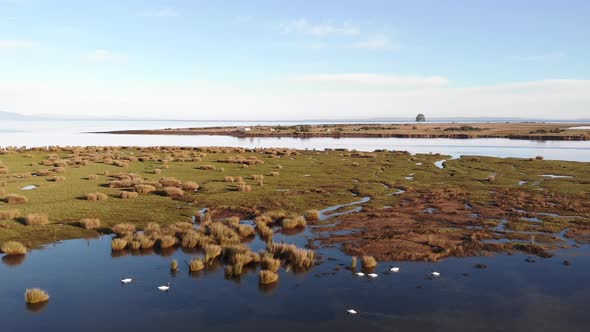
x=394, y=269
x=350, y=311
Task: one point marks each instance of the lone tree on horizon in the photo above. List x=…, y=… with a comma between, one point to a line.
x=420, y=118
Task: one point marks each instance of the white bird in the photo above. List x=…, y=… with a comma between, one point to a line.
x=360, y=274
x=351, y=311
x=126, y=280
x=372, y=275
x=164, y=288
x=394, y=269
x=435, y=274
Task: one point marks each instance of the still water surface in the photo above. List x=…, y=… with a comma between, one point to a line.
x=44, y=133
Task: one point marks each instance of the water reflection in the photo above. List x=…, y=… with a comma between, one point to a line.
x=36, y=307
x=13, y=260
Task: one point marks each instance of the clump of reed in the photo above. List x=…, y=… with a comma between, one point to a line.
x=233, y=221
x=208, y=167
x=144, y=188
x=196, y=264
x=297, y=257
x=229, y=179
x=293, y=222
x=36, y=219
x=268, y=277
x=36, y=295
x=3, y=170
x=90, y=223
x=123, y=229
x=170, y=182
x=174, y=265
x=274, y=173
x=129, y=194
x=368, y=262
x=15, y=199
x=353, y=263
x=270, y=263
x=239, y=179
x=152, y=229
x=13, y=248
x=173, y=192
x=258, y=177
x=539, y=157
x=312, y=214
x=212, y=251
x=201, y=216
x=243, y=187
x=118, y=244
x=234, y=270
x=98, y=196
x=355, y=164
x=92, y=177
x=244, y=231
x=190, y=186
x=9, y=214
x=157, y=171
x=167, y=241
x=58, y=179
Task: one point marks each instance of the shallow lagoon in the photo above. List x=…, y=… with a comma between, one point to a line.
x=44, y=133
x=83, y=279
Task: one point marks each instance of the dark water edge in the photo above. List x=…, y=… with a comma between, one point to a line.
x=83, y=280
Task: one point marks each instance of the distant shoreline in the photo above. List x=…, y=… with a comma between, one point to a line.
x=524, y=131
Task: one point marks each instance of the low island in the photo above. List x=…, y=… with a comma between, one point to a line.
x=525, y=130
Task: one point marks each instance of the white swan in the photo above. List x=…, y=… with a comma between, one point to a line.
x=351, y=311
x=360, y=274
x=372, y=275
x=394, y=269
x=126, y=280
x=435, y=274
x=164, y=288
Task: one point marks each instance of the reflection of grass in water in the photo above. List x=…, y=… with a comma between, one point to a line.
x=13, y=260
x=36, y=307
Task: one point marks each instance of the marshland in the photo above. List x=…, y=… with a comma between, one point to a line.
x=262, y=232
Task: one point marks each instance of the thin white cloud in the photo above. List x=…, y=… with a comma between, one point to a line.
x=101, y=56
x=161, y=12
x=14, y=43
x=540, y=58
x=319, y=29
x=379, y=42
x=375, y=79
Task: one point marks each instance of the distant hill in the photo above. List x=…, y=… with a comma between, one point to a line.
x=12, y=116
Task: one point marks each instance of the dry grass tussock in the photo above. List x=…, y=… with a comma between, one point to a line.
x=293, y=222
x=170, y=182
x=96, y=196
x=243, y=187
x=123, y=229
x=15, y=199
x=312, y=214
x=36, y=295
x=129, y=194
x=196, y=264
x=118, y=244
x=174, y=265
x=297, y=257
x=35, y=219
x=13, y=248
x=9, y=214
x=144, y=188
x=368, y=262
x=173, y=192
x=90, y=223
x=58, y=179
x=190, y=186
x=268, y=277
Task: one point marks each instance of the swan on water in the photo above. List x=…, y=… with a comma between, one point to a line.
x=351, y=311
x=394, y=269
x=435, y=274
x=164, y=288
x=126, y=280
x=372, y=275
x=360, y=274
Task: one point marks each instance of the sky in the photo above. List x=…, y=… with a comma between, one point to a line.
x=295, y=59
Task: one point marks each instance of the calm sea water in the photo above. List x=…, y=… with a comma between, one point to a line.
x=43, y=133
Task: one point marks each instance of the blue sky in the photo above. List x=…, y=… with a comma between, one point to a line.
x=295, y=59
